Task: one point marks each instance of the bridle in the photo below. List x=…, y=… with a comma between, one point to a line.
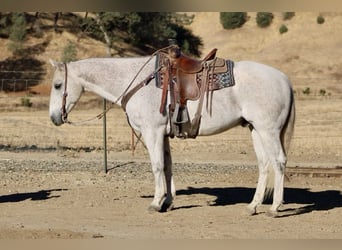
x=65, y=94
x=64, y=114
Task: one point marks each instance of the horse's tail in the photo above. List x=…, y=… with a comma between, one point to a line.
x=288, y=129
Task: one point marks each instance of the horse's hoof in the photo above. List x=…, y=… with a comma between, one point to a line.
x=166, y=207
x=272, y=214
x=153, y=208
x=250, y=211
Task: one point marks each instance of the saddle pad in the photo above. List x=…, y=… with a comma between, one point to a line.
x=220, y=80
x=216, y=81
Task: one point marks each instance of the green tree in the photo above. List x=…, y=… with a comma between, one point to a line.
x=147, y=31
x=17, y=32
x=233, y=20
x=5, y=24
x=69, y=52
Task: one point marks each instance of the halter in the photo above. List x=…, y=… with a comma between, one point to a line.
x=65, y=94
x=64, y=113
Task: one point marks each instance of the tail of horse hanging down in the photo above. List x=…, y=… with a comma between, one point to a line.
x=166, y=99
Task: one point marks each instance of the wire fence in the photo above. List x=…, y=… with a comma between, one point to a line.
x=32, y=129
x=15, y=85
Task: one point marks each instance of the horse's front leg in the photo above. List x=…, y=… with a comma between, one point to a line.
x=155, y=142
x=170, y=187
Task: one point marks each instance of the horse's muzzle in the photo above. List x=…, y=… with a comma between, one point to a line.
x=57, y=119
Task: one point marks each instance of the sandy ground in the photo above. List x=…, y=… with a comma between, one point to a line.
x=44, y=196
x=59, y=190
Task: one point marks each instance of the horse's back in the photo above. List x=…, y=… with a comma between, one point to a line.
x=262, y=71
x=258, y=79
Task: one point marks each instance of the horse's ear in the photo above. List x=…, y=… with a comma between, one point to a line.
x=53, y=63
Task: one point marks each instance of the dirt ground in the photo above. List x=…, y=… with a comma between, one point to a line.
x=53, y=186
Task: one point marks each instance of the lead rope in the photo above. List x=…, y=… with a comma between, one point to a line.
x=99, y=116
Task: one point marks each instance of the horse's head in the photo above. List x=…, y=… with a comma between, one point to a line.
x=65, y=92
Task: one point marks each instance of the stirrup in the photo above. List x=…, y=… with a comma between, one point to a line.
x=180, y=115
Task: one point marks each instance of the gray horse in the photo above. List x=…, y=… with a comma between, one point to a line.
x=262, y=97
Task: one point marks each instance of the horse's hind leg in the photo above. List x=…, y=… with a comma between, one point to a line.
x=277, y=158
x=263, y=173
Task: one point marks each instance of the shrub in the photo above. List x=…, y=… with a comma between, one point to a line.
x=232, y=20
x=264, y=19
x=283, y=29
x=288, y=15
x=307, y=91
x=320, y=19
x=26, y=102
x=322, y=92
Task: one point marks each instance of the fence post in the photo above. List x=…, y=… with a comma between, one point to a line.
x=105, y=136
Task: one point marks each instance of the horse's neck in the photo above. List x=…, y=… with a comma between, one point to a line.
x=109, y=78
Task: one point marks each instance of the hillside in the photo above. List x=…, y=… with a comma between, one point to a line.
x=309, y=53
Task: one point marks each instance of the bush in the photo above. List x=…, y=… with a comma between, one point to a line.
x=232, y=20
x=264, y=19
x=288, y=15
x=307, y=91
x=320, y=20
x=283, y=29
x=322, y=92
x=26, y=102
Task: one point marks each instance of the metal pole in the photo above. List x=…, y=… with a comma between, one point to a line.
x=105, y=136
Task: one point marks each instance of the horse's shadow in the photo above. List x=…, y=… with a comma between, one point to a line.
x=34, y=196
x=312, y=201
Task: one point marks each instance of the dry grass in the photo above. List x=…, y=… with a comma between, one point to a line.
x=317, y=138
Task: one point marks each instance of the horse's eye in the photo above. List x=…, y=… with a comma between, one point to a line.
x=58, y=85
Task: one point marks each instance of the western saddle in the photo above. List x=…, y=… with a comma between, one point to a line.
x=186, y=79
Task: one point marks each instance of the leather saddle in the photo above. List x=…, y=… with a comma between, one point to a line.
x=186, y=78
